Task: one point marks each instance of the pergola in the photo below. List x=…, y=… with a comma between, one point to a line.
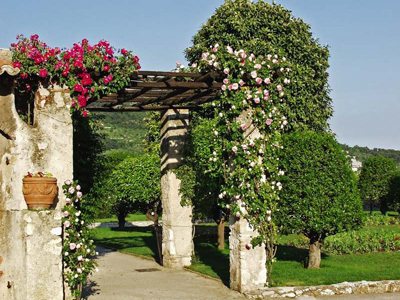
x=33, y=240
x=175, y=94
x=156, y=90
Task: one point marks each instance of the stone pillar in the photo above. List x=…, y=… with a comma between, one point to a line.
x=248, y=271
x=177, y=242
x=30, y=241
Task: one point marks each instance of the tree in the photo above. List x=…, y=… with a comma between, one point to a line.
x=263, y=29
x=374, y=182
x=96, y=202
x=319, y=195
x=134, y=185
x=393, y=197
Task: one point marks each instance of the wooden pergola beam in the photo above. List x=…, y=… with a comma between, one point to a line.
x=143, y=108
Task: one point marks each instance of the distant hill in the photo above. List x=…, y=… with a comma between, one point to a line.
x=122, y=131
x=362, y=153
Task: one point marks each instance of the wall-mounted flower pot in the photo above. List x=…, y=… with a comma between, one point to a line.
x=39, y=192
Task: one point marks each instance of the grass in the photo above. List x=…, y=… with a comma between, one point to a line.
x=288, y=271
x=129, y=218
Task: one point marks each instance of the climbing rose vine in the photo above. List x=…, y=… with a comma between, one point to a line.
x=78, y=248
x=89, y=72
x=248, y=132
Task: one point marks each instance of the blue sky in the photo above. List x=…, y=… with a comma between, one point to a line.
x=363, y=36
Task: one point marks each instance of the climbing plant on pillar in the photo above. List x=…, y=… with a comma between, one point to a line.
x=253, y=93
x=89, y=72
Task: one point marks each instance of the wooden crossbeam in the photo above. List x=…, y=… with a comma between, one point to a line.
x=141, y=108
x=176, y=85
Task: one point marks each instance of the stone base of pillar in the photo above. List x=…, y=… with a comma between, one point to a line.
x=248, y=271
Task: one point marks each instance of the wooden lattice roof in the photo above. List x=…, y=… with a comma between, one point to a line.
x=153, y=90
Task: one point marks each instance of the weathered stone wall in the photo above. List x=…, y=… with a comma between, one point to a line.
x=177, y=243
x=248, y=272
x=30, y=241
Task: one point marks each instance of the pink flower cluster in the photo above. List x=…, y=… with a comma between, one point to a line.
x=85, y=67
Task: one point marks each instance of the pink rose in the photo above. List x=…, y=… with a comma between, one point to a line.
x=259, y=80
x=67, y=224
x=106, y=68
x=225, y=81
x=253, y=74
x=17, y=64
x=267, y=81
x=243, y=126
x=279, y=88
x=72, y=246
x=43, y=73
x=124, y=52
x=268, y=122
x=65, y=214
x=78, y=87
x=241, y=82
x=235, y=86
x=223, y=87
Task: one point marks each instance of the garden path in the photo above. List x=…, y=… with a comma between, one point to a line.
x=127, y=277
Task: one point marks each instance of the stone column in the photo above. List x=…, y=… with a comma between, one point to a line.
x=30, y=241
x=177, y=242
x=248, y=271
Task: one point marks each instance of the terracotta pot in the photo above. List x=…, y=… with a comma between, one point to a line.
x=39, y=192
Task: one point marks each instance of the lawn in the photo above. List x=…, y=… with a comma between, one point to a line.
x=288, y=271
x=129, y=218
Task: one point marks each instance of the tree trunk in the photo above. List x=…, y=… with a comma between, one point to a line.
x=221, y=234
x=314, y=260
x=121, y=221
x=371, y=206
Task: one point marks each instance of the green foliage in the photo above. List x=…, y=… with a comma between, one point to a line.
x=362, y=241
x=362, y=153
x=121, y=131
x=88, y=147
x=206, y=178
x=319, y=195
x=374, y=181
x=152, y=135
x=262, y=29
x=365, y=240
x=393, y=197
x=96, y=201
x=380, y=220
x=134, y=185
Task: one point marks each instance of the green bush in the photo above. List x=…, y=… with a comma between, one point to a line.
x=375, y=181
x=379, y=219
x=319, y=196
x=362, y=241
x=365, y=240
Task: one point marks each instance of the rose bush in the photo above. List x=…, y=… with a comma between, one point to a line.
x=78, y=248
x=253, y=91
x=89, y=72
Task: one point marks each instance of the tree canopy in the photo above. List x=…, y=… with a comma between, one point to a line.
x=375, y=178
x=262, y=28
x=319, y=195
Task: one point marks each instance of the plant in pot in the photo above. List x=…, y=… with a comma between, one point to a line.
x=39, y=189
